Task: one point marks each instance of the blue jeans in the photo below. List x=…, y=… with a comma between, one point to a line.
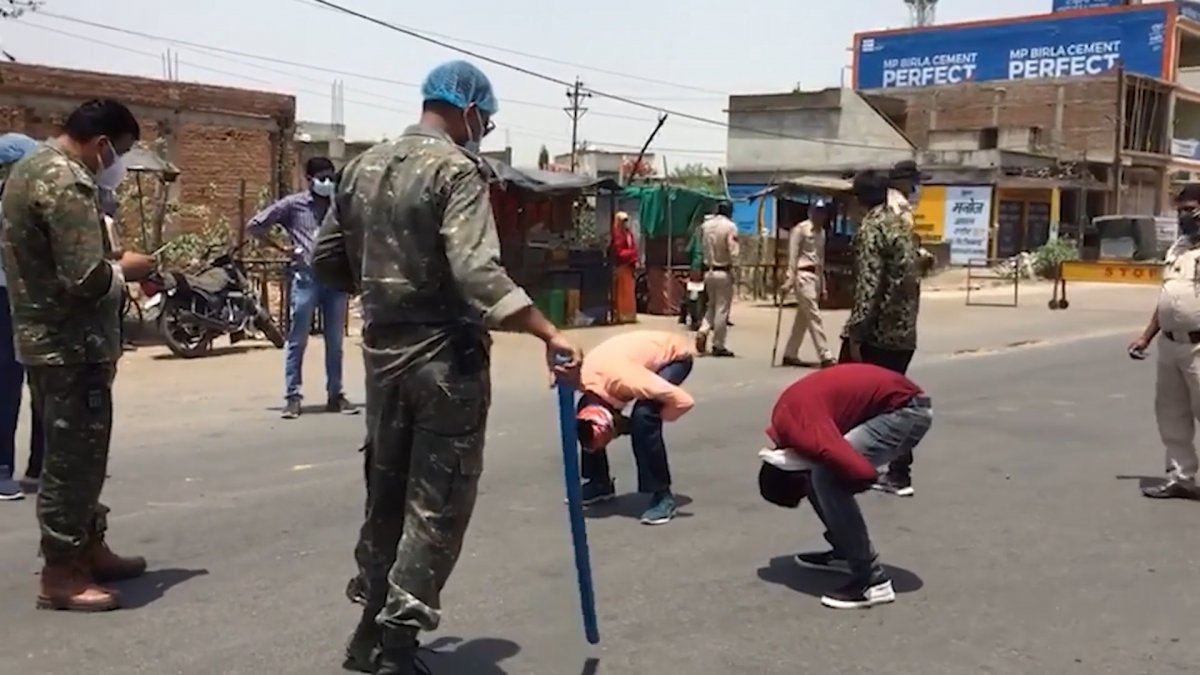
x=12, y=380
x=307, y=295
x=880, y=439
x=646, y=434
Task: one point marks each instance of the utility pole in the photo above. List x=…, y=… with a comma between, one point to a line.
x=576, y=95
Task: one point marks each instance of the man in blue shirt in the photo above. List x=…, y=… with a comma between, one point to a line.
x=300, y=216
x=13, y=147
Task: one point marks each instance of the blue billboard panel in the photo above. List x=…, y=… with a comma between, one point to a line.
x=1043, y=47
x=1190, y=10
x=1064, y=5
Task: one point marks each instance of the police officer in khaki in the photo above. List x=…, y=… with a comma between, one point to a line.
x=718, y=240
x=1177, y=386
x=806, y=277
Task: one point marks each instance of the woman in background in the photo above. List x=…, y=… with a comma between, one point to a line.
x=625, y=260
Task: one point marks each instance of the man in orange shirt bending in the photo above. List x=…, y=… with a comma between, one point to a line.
x=644, y=368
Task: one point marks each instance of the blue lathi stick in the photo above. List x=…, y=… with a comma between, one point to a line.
x=583, y=562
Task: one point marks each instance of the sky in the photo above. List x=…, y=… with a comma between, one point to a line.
x=680, y=56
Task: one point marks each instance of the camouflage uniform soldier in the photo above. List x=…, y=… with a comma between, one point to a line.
x=411, y=228
x=65, y=291
x=904, y=192
x=882, y=327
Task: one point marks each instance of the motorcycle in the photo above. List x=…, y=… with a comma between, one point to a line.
x=193, y=310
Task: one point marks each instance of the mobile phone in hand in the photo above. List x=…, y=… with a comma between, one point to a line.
x=1138, y=354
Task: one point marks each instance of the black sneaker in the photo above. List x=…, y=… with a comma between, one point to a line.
x=792, y=362
x=339, y=404
x=722, y=353
x=596, y=491
x=1173, y=489
x=291, y=409
x=901, y=486
x=826, y=561
x=862, y=593
x=362, y=645
x=397, y=654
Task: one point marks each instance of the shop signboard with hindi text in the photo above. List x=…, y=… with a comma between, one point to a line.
x=1070, y=44
x=968, y=222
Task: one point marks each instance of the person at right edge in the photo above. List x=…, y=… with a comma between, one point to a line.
x=719, y=242
x=65, y=291
x=1177, y=320
x=882, y=327
x=411, y=229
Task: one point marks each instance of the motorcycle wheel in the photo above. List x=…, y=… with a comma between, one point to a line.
x=264, y=322
x=184, y=340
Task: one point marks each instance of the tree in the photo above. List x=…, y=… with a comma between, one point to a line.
x=698, y=177
x=543, y=158
x=12, y=9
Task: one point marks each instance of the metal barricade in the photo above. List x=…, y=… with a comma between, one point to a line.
x=1128, y=272
x=984, y=269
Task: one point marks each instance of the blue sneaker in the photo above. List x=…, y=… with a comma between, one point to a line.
x=595, y=491
x=662, y=509
x=10, y=490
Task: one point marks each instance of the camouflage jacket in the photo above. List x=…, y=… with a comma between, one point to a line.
x=887, y=292
x=413, y=218
x=64, y=292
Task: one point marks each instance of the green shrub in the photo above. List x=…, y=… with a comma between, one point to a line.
x=1047, y=258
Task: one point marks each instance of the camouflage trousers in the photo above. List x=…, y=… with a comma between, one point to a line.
x=424, y=457
x=77, y=414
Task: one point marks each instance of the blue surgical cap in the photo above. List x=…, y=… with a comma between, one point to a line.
x=15, y=146
x=460, y=84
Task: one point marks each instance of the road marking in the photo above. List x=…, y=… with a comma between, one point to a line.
x=303, y=467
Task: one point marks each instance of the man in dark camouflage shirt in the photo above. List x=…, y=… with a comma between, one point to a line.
x=882, y=328
x=65, y=284
x=411, y=229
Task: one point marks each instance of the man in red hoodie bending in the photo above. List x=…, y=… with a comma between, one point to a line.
x=830, y=431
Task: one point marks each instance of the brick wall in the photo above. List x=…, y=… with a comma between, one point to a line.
x=218, y=136
x=1088, y=115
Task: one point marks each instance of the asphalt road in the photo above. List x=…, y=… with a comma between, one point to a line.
x=1027, y=549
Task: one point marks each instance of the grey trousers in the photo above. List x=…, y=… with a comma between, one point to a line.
x=880, y=439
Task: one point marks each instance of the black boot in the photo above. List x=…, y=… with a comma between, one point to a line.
x=397, y=654
x=362, y=644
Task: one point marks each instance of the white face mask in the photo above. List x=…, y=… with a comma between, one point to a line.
x=322, y=187
x=112, y=175
x=915, y=196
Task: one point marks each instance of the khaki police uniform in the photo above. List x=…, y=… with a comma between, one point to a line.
x=718, y=239
x=1177, y=387
x=806, y=263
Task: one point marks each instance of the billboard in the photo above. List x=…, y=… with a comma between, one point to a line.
x=1050, y=46
x=1064, y=5
x=1189, y=10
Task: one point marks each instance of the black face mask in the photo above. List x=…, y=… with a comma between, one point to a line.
x=1189, y=225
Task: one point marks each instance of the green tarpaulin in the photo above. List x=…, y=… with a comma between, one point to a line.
x=669, y=209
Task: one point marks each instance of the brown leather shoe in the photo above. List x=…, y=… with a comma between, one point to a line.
x=68, y=587
x=107, y=566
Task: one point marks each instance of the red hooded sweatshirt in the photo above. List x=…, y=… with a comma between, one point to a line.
x=813, y=415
